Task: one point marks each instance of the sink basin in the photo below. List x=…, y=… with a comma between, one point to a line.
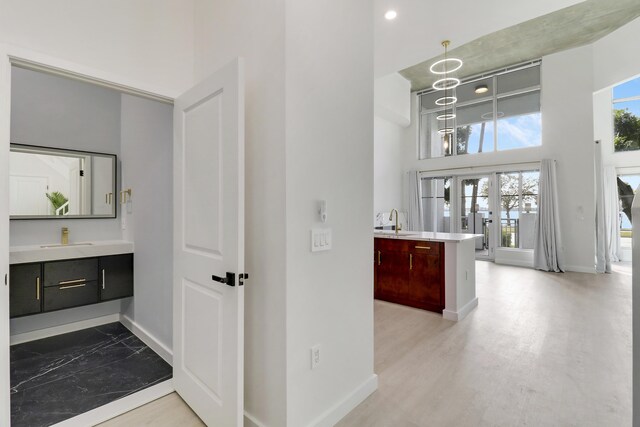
x=393, y=233
x=64, y=246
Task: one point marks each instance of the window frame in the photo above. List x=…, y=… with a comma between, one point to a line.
x=494, y=98
x=615, y=101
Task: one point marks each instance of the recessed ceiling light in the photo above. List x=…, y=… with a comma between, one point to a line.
x=391, y=14
x=482, y=89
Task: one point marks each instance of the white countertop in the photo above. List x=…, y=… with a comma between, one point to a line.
x=36, y=253
x=425, y=236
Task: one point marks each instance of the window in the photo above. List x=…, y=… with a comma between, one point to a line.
x=518, y=208
x=626, y=116
x=503, y=117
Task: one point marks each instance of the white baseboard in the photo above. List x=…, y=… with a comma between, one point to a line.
x=251, y=421
x=338, y=411
x=119, y=407
x=580, y=269
x=163, y=351
x=63, y=329
x=457, y=316
x=515, y=263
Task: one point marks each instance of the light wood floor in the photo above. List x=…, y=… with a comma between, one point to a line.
x=541, y=349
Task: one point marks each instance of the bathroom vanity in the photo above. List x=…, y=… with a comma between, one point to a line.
x=431, y=271
x=54, y=277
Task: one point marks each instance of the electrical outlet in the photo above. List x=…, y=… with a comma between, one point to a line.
x=315, y=356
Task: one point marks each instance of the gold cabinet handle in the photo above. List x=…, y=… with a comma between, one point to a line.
x=71, y=282
x=123, y=196
x=423, y=247
x=81, y=285
x=38, y=288
x=103, y=279
x=379, y=257
x=410, y=261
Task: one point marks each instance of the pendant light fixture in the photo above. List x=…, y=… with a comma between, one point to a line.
x=447, y=84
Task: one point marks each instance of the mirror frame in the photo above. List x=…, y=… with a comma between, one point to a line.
x=75, y=152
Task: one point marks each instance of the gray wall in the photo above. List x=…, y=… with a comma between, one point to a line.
x=147, y=153
x=56, y=112
x=52, y=111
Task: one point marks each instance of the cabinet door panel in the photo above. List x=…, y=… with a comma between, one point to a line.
x=392, y=277
x=25, y=289
x=426, y=280
x=116, y=277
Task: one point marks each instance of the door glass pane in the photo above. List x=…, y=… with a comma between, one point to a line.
x=474, y=211
x=518, y=209
x=474, y=132
x=436, y=204
x=519, y=121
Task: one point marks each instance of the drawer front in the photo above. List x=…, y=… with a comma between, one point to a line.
x=428, y=248
x=65, y=296
x=389, y=244
x=57, y=272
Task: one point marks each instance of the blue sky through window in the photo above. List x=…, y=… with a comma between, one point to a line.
x=627, y=90
x=519, y=131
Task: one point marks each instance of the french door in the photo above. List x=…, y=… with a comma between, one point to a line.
x=477, y=206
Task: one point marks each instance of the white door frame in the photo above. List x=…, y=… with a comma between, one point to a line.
x=9, y=54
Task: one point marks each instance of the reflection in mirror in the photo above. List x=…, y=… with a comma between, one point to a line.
x=55, y=183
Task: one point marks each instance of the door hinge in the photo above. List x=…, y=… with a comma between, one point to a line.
x=81, y=172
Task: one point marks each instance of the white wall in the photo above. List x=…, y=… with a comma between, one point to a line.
x=296, y=299
x=615, y=56
x=223, y=31
x=388, y=141
x=147, y=155
x=149, y=41
x=52, y=111
x=329, y=122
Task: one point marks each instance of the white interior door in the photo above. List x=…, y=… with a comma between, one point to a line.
x=208, y=316
x=28, y=195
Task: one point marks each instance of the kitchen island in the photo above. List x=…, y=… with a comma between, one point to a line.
x=431, y=271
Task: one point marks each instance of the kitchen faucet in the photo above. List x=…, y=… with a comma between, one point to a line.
x=398, y=227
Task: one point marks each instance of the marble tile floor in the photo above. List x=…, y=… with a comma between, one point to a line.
x=56, y=378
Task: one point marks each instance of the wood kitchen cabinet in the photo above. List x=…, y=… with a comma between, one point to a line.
x=25, y=289
x=409, y=272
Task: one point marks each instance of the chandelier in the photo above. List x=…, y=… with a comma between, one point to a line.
x=446, y=84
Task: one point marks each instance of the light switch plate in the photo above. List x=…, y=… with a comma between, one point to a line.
x=320, y=239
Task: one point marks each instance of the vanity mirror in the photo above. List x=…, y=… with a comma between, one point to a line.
x=51, y=183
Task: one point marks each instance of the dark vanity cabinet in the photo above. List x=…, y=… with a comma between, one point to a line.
x=55, y=285
x=70, y=283
x=25, y=290
x=116, y=276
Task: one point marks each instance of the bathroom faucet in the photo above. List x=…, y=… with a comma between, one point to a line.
x=65, y=236
x=398, y=227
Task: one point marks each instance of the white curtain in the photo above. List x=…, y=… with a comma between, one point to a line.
x=414, y=215
x=547, y=252
x=611, y=216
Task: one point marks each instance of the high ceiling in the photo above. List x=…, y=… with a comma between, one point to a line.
x=567, y=28
x=415, y=35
